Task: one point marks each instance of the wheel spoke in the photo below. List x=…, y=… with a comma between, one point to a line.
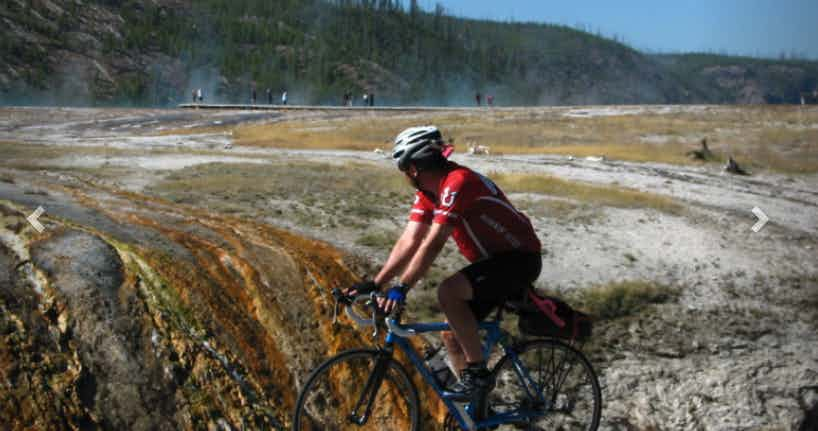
x=567, y=392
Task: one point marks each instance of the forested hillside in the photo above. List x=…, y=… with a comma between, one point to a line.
x=154, y=53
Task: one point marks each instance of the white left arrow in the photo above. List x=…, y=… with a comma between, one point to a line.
x=33, y=219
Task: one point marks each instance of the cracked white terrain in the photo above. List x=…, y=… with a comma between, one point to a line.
x=738, y=350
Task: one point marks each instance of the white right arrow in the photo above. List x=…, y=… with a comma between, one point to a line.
x=762, y=219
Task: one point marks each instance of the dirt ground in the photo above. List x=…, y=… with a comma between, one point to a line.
x=734, y=349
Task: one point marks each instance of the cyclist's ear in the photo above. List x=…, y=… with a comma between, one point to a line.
x=412, y=171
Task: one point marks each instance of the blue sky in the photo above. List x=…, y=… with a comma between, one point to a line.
x=747, y=27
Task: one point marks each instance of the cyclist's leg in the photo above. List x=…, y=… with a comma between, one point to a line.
x=454, y=295
x=470, y=295
x=453, y=350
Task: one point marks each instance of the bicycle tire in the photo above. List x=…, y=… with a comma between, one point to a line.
x=327, y=399
x=566, y=370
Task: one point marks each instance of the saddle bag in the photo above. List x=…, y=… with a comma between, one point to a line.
x=546, y=316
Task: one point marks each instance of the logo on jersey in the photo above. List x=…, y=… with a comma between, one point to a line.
x=447, y=198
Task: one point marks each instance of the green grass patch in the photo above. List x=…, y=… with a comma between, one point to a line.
x=615, y=300
x=379, y=240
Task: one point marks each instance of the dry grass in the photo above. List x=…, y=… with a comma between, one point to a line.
x=336, y=190
x=611, y=196
x=15, y=152
x=360, y=133
x=196, y=130
x=546, y=207
x=304, y=180
x=354, y=195
x=380, y=240
x=304, y=193
x=40, y=156
x=776, y=138
x=786, y=150
x=562, y=210
x=612, y=301
x=36, y=156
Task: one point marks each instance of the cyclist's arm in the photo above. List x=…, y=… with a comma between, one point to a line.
x=426, y=253
x=404, y=248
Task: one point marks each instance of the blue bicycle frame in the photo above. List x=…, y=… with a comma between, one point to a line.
x=462, y=413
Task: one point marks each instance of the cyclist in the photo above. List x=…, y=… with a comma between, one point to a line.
x=498, y=240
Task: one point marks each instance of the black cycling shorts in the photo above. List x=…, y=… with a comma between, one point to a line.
x=501, y=277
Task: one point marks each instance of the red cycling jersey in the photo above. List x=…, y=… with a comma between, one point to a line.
x=485, y=223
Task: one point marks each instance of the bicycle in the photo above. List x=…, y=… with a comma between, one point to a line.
x=535, y=383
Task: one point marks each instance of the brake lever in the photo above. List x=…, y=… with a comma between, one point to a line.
x=340, y=299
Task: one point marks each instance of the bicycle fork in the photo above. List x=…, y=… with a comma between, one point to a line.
x=370, y=391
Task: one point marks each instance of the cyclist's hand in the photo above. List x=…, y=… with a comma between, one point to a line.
x=395, y=297
x=362, y=288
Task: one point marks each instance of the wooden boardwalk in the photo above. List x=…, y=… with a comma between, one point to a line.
x=265, y=107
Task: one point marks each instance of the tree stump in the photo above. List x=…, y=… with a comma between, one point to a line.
x=733, y=167
x=703, y=153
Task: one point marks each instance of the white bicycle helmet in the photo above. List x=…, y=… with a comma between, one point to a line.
x=415, y=144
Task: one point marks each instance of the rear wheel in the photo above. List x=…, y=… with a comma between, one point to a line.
x=555, y=388
x=336, y=395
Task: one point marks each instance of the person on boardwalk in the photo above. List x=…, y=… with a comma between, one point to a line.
x=477, y=97
x=284, y=97
x=269, y=96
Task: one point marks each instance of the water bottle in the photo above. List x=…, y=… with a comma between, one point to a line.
x=437, y=362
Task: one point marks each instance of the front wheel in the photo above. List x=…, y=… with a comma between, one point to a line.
x=548, y=386
x=344, y=393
